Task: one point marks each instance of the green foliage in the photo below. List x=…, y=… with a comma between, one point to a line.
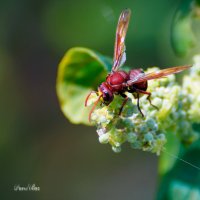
x=181, y=182
x=80, y=71
x=182, y=31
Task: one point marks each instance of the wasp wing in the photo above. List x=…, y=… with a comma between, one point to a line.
x=157, y=74
x=119, y=51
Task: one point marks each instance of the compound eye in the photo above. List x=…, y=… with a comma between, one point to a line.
x=106, y=96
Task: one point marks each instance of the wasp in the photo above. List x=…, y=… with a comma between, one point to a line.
x=118, y=82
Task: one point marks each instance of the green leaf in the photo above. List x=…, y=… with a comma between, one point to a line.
x=80, y=71
x=182, y=181
x=172, y=147
x=182, y=36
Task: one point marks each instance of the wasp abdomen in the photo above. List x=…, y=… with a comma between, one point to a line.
x=134, y=74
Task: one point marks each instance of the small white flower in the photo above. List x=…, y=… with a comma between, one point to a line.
x=104, y=138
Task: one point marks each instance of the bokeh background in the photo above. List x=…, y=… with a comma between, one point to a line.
x=37, y=144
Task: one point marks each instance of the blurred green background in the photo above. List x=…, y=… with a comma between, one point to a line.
x=37, y=144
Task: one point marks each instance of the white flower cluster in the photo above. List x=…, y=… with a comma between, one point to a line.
x=179, y=108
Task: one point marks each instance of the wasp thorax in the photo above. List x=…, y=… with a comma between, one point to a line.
x=118, y=78
x=107, y=95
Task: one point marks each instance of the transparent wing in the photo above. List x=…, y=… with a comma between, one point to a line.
x=157, y=74
x=119, y=51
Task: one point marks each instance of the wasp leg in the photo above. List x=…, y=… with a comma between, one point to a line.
x=138, y=104
x=148, y=97
x=124, y=102
x=88, y=96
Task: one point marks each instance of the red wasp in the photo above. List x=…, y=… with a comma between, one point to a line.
x=135, y=81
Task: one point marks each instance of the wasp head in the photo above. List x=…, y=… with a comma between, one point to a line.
x=106, y=93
